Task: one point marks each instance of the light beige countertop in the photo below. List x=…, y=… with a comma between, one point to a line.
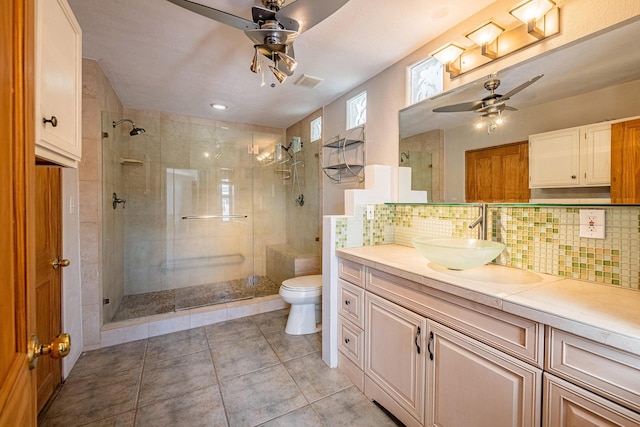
x=604, y=313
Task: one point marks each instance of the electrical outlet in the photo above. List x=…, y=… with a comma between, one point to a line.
x=592, y=223
x=370, y=212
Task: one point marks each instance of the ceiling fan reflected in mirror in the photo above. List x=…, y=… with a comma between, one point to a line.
x=273, y=28
x=491, y=106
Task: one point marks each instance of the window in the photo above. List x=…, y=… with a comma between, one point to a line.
x=357, y=110
x=316, y=129
x=425, y=79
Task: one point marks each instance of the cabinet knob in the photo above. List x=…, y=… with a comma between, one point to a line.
x=347, y=302
x=53, y=120
x=346, y=340
x=573, y=177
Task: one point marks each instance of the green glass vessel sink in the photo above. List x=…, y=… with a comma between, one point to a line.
x=456, y=253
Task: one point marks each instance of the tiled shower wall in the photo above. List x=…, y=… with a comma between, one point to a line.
x=188, y=167
x=543, y=239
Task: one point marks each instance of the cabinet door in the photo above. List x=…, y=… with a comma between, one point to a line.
x=471, y=384
x=595, y=155
x=58, y=83
x=625, y=162
x=566, y=405
x=395, y=354
x=554, y=159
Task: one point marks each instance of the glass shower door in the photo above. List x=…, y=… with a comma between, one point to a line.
x=211, y=206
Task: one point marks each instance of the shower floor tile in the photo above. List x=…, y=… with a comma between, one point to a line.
x=149, y=304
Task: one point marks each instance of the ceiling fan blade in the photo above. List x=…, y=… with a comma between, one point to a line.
x=304, y=14
x=519, y=88
x=510, y=108
x=455, y=108
x=216, y=15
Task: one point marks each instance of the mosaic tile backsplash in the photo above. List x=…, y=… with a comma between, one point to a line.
x=543, y=239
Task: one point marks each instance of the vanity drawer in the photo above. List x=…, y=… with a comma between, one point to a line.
x=351, y=342
x=351, y=302
x=351, y=271
x=609, y=372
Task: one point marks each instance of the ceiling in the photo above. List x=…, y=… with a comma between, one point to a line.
x=601, y=60
x=161, y=57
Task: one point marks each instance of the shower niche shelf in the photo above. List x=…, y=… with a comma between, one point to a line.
x=343, y=158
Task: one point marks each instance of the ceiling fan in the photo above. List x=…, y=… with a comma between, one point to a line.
x=491, y=105
x=273, y=29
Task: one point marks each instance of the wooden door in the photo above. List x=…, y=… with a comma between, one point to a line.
x=395, y=355
x=472, y=384
x=48, y=247
x=625, y=162
x=17, y=382
x=498, y=174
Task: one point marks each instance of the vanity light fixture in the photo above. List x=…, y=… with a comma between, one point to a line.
x=448, y=55
x=486, y=36
x=534, y=14
x=541, y=19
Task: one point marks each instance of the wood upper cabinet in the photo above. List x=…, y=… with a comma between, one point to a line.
x=625, y=162
x=472, y=384
x=575, y=157
x=498, y=174
x=395, y=357
x=58, y=83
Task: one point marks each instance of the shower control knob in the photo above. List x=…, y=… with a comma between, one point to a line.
x=53, y=120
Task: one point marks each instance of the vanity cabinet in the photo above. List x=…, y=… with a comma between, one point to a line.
x=567, y=405
x=575, y=157
x=395, y=357
x=465, y=377
x=58, y=88
x=428, y=356
x=600, y=382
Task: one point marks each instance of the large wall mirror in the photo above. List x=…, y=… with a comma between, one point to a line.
x=588, y=81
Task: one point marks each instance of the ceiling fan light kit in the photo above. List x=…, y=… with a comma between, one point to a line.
x=540, y=20
x=491, y=106
x=273, y=28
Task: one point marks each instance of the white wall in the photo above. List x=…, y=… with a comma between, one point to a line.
x=386, y=92
x=71, y=283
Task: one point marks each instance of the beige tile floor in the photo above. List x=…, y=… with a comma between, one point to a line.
x=244, y=372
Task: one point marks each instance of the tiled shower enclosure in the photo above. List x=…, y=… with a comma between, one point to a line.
x=200, y=209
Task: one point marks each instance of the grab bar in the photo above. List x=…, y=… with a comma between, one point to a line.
x=212, y=216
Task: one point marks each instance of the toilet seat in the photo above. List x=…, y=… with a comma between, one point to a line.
x=304, y=284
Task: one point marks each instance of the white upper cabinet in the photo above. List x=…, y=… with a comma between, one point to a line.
x=575, y=157
x=58, y=94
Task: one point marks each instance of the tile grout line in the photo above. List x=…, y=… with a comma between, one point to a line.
x=215, y=370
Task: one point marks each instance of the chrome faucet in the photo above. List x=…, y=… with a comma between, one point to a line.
x=481, y=222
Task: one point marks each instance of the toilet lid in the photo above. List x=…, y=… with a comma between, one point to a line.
x=303, y=283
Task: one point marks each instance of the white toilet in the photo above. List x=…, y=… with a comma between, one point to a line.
x=304, y=293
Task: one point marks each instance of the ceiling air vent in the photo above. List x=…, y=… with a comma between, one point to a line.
x=308, y=81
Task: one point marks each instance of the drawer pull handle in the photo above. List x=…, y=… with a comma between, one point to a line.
x=346, y=340
x=429, y=345
x=417, y=337
x=347, y=302
x=53, y=120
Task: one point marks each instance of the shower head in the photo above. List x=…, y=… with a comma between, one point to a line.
x=135, y=131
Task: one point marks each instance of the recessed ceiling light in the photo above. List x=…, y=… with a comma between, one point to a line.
x=219, y=106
